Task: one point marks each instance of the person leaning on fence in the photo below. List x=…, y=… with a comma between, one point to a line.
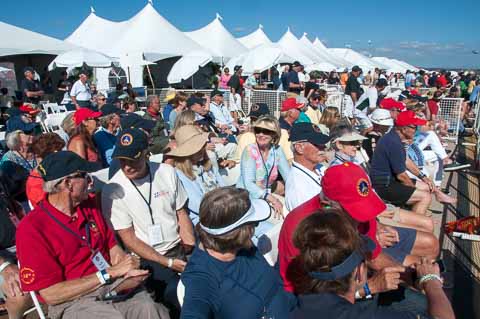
x=145, y=202
x=68, y=255
x=227, y=277
x=333, y=262
x=159, y=133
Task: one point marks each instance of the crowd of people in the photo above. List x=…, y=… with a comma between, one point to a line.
x=193, y=188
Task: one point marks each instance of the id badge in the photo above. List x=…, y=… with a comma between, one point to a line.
x=155, y=235
x=269, y=190
x=99, y=261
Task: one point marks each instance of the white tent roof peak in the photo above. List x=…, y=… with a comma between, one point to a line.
x=294, y=49
x=218, y=16
x=260, y=26
x=92, y=9
x=255, y=39
x=150, y=2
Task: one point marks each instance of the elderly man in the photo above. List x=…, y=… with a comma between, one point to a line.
x=69, y=255
x=80, y=92
x=159, y=133
x=304, y=179
x=223, y=119
x=106, y=135
x=100, y=101
x=145, y=202
x=290, y=112
x=31, y=88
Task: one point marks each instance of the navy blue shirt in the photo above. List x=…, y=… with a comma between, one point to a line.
x=284, y=124
x=239, y=289
x=292, y=77
x=329, y=305
x=389, y=156
x=105, y=142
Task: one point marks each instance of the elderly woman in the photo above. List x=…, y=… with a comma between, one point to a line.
x=19, y=144
x=346, y=143
x=227, y=277
x=106, y=135
x=262, y=162
x=42, y=146
x=81, y=142
x=332, y=266
x=193, y=166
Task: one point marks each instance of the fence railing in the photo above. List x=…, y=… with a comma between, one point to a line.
x=450, y=110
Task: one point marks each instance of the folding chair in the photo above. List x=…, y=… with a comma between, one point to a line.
x=54, y=108
x=54, y=121
x=36, y=304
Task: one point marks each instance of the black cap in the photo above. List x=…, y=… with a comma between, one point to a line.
x=16, y=123
x=132, y=120
x=308, y=132
x=130, y=144
x=195, y=100
x=259, y=109
x=237, y=67
x=108, y=109
x=314, y=96
x=382, y=82
x=215, y=93
x=63, y=163
x=296, y=63
x=28, y=69
x=356, y=68
x=404, y=95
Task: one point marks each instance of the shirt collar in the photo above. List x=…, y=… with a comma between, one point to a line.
x=79, y=218
x=308, y=171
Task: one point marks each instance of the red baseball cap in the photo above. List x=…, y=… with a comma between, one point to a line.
x=349, y=185
x=389, y=103
x=290, y=103
x=84, y=113
x=409, y=118
x=25, y=108
x=414, y=92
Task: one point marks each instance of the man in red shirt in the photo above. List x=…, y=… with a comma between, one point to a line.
x=442, y=80
x=433, y=105
x=68, y=254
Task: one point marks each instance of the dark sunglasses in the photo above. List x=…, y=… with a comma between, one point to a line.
x=102, y=99
x=259, y=130
x=92, y=118
x=412, y=126
x=351, y=143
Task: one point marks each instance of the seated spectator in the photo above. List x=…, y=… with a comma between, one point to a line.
x=145, y=202
x=345, y=142
x=87, y=260
x=171, y=93
x=20, y=152
x=179, y=104
x=42, y=146
x=67, y=127
x=5, y=99
x=262, y=162
x=305, y=176
x=106, y=135
x=389, y=171
x=114, y=96
x=303, y=117
x=223, y=119
x=314, y=112
x=99, y=101
x=129, y=105
x=24, y=119
x=193, y=167
x=433, y=105
x=333, y=262
x=382, y=122
x=227, y=277
x=81, y=142
x=329, y=119
x=130, y=91
x=290, y=112
x=159, y=132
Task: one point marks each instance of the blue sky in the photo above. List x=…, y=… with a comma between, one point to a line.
x=428, y=33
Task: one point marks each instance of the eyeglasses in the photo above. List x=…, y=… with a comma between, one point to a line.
x=351, y=143
x=259, y=130
x=102, y=99
x=92, y=119
x=412, y=126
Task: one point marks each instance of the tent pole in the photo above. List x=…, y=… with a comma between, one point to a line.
x=151, y=79
x=128, y=70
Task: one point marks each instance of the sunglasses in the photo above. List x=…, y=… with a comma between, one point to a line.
x=259, y=130
x=412, y=126
x=351, y=143
x=102, y=99
x=92, y=119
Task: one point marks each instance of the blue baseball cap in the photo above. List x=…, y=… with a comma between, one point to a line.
x=308, y=132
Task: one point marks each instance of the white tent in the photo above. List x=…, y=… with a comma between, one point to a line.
x=215, y=38
x=292, y=47
x=406, y=65
x=357, y=59
x=260, y=58
x=392, y=65
x=79, y=57
x=188, y=65
x=324, y=61
x=255, y=39
x=336, y=59
x=16, y=40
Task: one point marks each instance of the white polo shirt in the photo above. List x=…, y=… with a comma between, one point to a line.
x=124, y=205
x=302, y=185
x=81, y=91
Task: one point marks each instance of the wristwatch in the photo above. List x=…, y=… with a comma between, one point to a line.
x=104, y=277
x=421, y=175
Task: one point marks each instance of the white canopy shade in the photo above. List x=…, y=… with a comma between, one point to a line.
x=80, y=57
x=255, y=39
x=2, y=69
x=324, y=58
x=216, y=39
x=393, y=66
x=342, y=63
x=260, y=59
x=406, y=65
x=188, y=65
x=322, y=66
x=16, y=40
x=356, y=58
x=293, y=48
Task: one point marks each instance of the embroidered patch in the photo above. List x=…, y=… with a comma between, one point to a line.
x=161, y=193
x=41, y=169
x=27, y=275
x=316, y=128
x=126, y=139
x=255, y=107
x=362, y=187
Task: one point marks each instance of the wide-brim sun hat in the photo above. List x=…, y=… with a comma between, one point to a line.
x=190, y=140
x=263, y=124
x=259, y=211
x=350, y=137
x=381, y=117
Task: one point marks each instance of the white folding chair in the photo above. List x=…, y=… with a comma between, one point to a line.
x=180, y=292
x=268, y=244
x=54, y=121
x=54, y=108
x=36, y=304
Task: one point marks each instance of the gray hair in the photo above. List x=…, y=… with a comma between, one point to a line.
x=13, y=140
x=53, y=186
x=105, y=120
x=150, y=99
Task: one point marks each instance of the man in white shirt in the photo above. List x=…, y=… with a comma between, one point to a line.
x=80, y=92
x=145, y=202
x=366, y=104
x=223, y=118
x=303, y=182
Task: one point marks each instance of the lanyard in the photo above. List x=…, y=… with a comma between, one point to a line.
x=149, y=202
x=303, y=171
x=85, y=240
x=265, y=164
x=25, y=160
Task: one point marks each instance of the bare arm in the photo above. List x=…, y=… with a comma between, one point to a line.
x=74, y=101
x=186, y=227
x=405, y=180
x=438, y=304
x=354, y=97
x=76, y=145
x=70, y=290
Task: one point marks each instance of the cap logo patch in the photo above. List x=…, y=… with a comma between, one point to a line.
x=362, y=187
x=126, y=139
x=41, y=169
x=316, y=128
x=27, y=275
x=255, y=107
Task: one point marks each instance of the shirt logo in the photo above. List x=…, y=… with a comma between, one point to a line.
x=27, y=275
x=126, y=139
x=161, y=193
x=316, y=128
x=362, y=187
x=255, y=107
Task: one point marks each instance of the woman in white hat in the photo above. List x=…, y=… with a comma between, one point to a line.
x=346, y=142
x=262, y=161
x=193, y=166
x=382, y=122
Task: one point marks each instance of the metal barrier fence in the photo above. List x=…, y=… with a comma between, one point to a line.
x=273, y=99
x=423, y=91
x=450, y=111
x=336, y=100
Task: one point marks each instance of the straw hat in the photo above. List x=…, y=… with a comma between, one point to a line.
x=190, y=140
x=170, y=95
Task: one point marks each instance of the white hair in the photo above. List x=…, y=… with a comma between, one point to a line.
x=53, y=186
x=13, y=140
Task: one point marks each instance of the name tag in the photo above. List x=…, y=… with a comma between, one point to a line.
x=99, y=261
x=155, y=235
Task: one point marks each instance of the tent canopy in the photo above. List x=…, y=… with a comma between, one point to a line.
x=292, y=47
x=342, y=63
x=188, y=65
x=324, y=59
x=356, y=58
x=216, y=39
x=16, y=41
x=255, y=39
x=393, y=66
x=79, y=57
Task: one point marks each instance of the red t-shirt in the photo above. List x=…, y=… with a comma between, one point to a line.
x=433, y=107
x=49, y=254
x=287, y=251
x=442, y=81
x=34, y=188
